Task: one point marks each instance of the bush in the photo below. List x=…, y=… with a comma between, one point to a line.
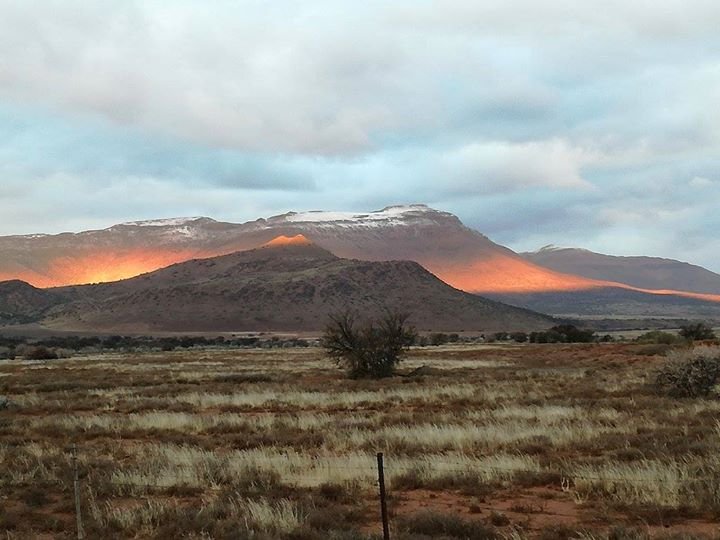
x=564, y=333
x=369, y=349
x=693, y=373
x=438, y=338
x=697, y=332
x=40, y=353
x=657, y=337
x=434, y=525
x=501, y=336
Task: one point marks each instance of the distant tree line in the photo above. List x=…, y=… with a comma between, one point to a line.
x=52, y=347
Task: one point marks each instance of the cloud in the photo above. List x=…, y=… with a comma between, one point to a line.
x=334, y=78
x=700, y=182
x=35, y=145
x=538, y=122
x=502, y=166
x=232, y=76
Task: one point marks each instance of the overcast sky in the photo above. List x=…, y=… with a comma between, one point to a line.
x=593, y=124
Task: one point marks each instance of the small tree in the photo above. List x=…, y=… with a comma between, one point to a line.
x=368, y=349
x=697, y=332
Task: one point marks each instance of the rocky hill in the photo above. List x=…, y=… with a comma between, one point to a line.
x=285, y=285
x=21, y=302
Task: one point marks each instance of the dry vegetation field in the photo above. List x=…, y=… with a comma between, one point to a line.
x=541, y=441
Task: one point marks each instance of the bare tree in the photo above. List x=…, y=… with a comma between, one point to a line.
x=370, y=348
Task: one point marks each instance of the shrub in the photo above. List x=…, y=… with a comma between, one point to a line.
x=697, y=332
x=438, y=338
x=564, y=333
x=434, y=524
x=40, y=353
x=658, y=337
x=369, y=349
x=692, y=373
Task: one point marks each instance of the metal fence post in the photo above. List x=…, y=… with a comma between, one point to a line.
x=76, y=486
x=383, y=497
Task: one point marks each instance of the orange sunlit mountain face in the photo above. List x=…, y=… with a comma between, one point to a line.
x=507, y=275
x=104, y=266
x=502, y=274
x=498, y=274
x=282, y=240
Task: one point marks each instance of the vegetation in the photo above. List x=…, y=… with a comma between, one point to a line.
x=697, y=332
x=658, y=337
x=537, y=441
x=40, y=353
x=439, y=525
x=368, y=349
x=12, y=347
x=691, y=373
x=564, y=333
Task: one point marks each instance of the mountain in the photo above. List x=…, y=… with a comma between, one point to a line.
x=21, y=302
x=289, y=284
x=439, y=241
x=641, y=272
x=614, y=302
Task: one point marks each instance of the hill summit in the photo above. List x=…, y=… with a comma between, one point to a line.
x=282, y=240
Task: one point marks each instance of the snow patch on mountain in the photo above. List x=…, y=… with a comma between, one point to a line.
x=391, y=215
x=170, y=222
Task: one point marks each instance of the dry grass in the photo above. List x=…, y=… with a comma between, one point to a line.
x=206, y=443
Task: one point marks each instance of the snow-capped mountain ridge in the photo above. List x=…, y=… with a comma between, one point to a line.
x=439, y=241
x=168, y=222
x=389, y=216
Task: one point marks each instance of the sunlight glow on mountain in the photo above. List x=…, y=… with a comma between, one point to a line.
x=282, y=240
x=103, y=266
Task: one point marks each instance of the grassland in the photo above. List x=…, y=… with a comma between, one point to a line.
x=541, y=441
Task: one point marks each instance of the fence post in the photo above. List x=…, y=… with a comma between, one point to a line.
x=76, y=486
x=383, y=500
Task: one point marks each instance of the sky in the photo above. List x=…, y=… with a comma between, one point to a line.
x=593, y=124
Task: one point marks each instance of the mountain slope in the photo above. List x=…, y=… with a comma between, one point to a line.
x=614, y=302
x=460, y=256
x=282, y=286
x=437, y=240
x=642, y=272
x=21, y=302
